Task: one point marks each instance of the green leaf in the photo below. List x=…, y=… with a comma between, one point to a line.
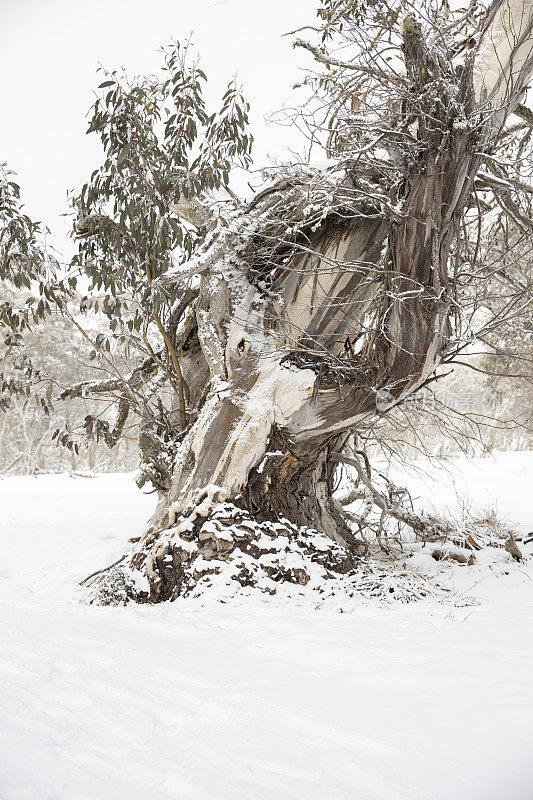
x=123, y=153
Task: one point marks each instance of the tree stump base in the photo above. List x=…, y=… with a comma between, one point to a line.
x=229, y=554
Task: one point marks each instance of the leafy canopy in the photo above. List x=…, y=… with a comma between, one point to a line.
x=137, y=216
x=162, y=149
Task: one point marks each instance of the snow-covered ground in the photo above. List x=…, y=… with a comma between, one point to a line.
x=257, y=699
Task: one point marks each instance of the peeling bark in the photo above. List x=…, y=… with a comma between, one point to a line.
x=360, y=307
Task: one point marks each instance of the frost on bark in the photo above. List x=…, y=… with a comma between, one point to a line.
x=321, y=305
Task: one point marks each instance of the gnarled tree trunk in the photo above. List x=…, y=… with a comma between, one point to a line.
x=353, y=321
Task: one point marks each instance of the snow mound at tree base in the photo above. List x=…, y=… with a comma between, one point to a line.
x=230, y=555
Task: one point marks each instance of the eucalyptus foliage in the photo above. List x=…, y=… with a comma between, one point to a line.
x=161, y=146
x=32, y=293
x=133, y=220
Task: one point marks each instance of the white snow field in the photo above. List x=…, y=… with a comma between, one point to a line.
x=255, y=698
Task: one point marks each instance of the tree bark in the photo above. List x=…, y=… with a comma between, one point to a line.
x=359, y=313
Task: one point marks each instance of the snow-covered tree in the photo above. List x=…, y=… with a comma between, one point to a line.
x=282, y=329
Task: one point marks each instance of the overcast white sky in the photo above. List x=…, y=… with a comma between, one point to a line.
x=50, y=50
